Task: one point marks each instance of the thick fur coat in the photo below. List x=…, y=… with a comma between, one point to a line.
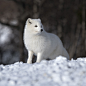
x=39, y=42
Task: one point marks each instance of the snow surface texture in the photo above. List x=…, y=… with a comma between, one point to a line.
x=58, y=72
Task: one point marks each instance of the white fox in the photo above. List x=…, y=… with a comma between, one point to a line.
x=39, y=42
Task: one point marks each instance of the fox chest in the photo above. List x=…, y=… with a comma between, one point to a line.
x=37, y=45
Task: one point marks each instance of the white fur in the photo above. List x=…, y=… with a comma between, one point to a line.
x=44, y=45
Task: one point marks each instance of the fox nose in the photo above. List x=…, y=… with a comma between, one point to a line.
x=41, y=30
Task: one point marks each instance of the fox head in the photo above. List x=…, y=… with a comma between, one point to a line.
x=34, y=26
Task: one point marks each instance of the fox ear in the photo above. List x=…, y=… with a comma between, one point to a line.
x=29, y=20
x=39, y=19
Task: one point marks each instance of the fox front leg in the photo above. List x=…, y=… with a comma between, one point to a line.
x=39, y=57
x=30, y=57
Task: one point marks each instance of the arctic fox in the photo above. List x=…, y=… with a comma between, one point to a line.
x=39, y=42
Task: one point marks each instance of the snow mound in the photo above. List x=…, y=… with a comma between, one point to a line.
x=58, y=72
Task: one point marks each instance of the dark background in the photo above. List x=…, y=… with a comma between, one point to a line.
x=65, y=18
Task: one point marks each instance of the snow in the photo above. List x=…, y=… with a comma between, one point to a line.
x=5, y=34
x=58, y=72
x=14, y=22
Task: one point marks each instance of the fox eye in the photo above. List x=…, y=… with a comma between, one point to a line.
x=36, y=26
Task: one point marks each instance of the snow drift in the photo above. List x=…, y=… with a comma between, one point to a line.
x=58, y=72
